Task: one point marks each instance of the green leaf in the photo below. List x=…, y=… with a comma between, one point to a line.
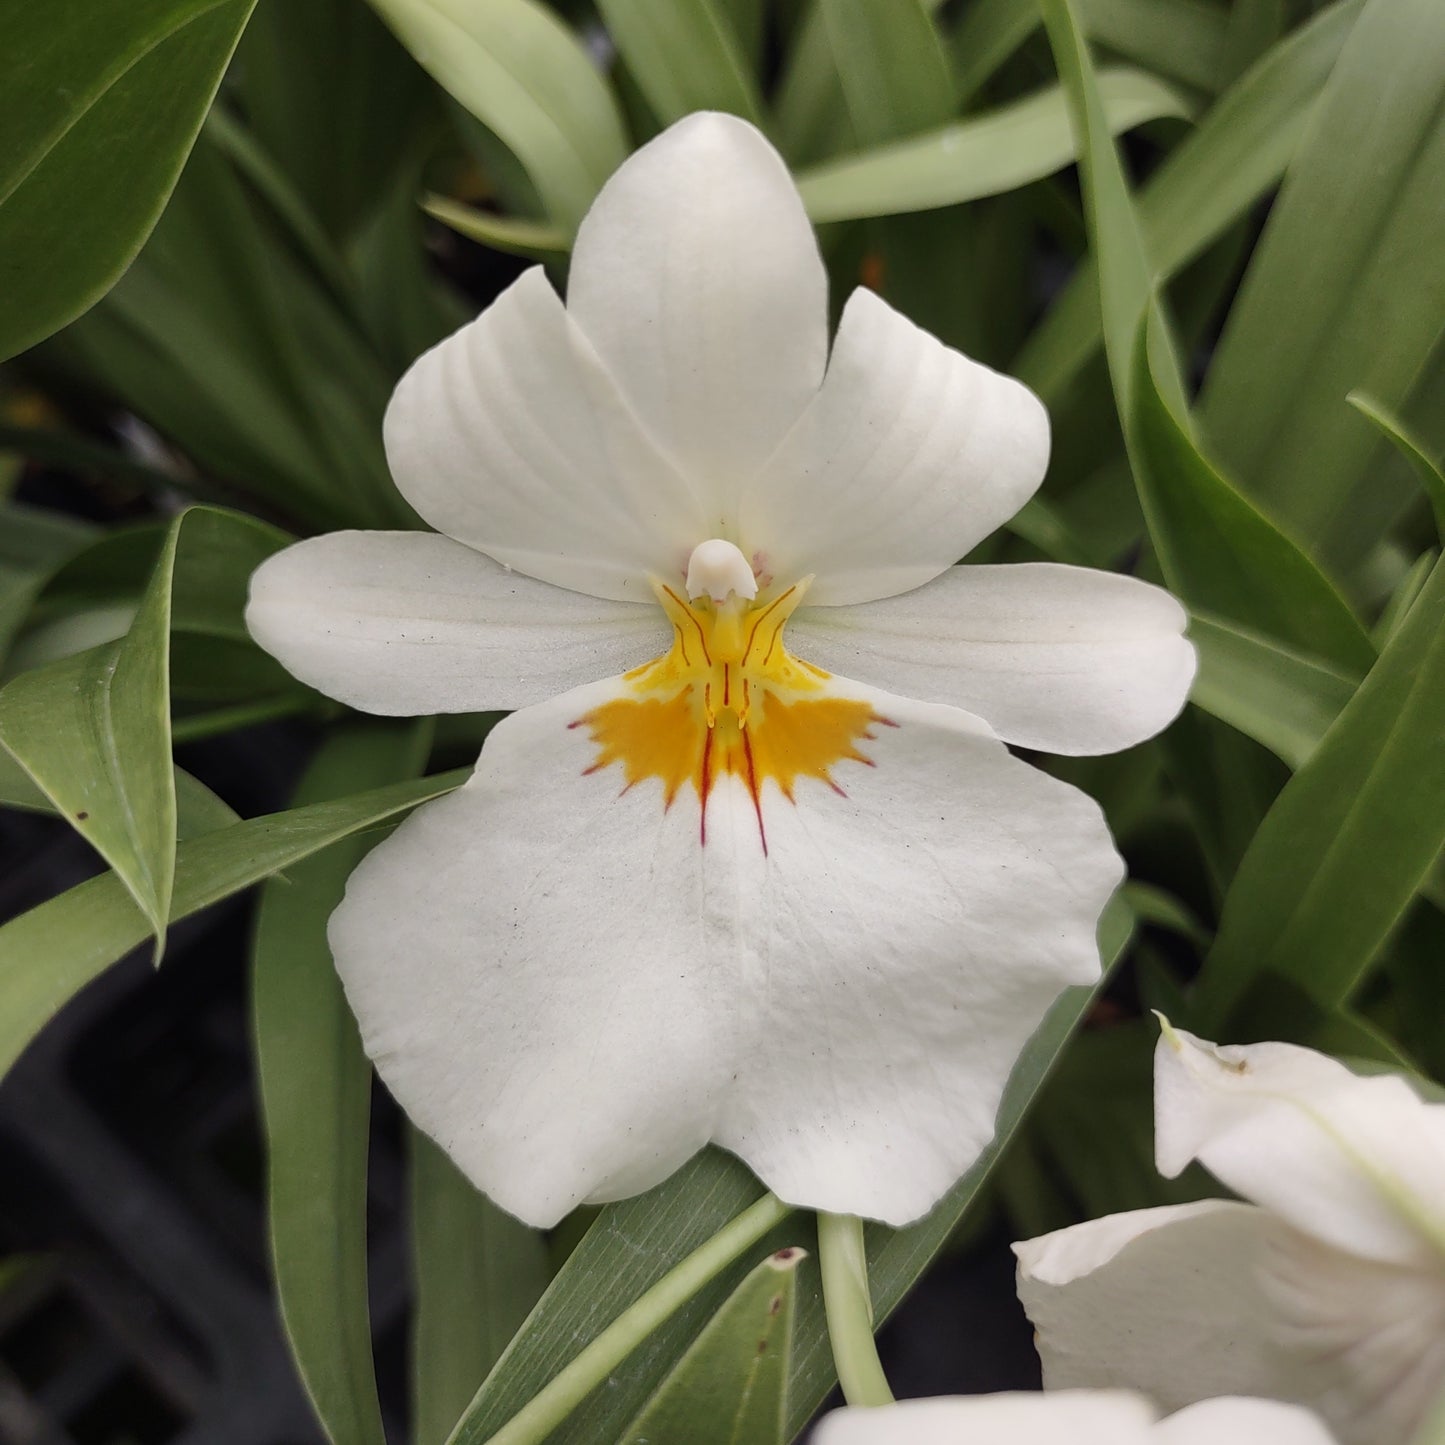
x=891, y=65
x=94, y=731
x=49, y=953
x=731, y=1387
x=1182, y=39
x=1432, y=479
x=684, y=56
x=99, y=112
x=478, y=1274
x=1218, y=551
x=1351, y=838
x=984, y=155
x=990, y=32
x=1272, y=693
x=1216, y=174
x=315, y=1086
x=1345, y=291
x=534, y=239
x=634, y=1243
x=516, y=67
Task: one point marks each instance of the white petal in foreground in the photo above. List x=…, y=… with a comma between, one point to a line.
x=1062, y=659
x=1242, y=1422
x=1169, y=1301
x=835, y=987
x=909, y=456
x=697, y=277
x=1357, y=1162
x=511, y=437
x=409, y=623
x=1075, y=1417
x=1189, y=1302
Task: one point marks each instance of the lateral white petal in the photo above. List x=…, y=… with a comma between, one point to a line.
x=697, y=277
x=511, y=437
x=572, y=992
x=903, y=943
x=1071, y=1417
x=409, y=623
x=1357, y=1162
x=1170, y=1301
x=908, y=456
x=1235, y=1421
x=1063, y=659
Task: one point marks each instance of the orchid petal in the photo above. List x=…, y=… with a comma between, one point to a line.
x=511, y=437
x=1062, y=659
x=1170, y=1301
x=909, y=455
x=836, y=987
x=1071, y=1417
x=409, y=623
x=1357, y=1162
x=1231, y=1420
x=697, y=278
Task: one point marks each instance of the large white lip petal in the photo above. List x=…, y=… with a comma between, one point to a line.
x=697, y=277
x=1232, y=1420
x=410, y=623
x=909, y=455
x=511, y=437
x=1071, y=1417
x=1357, y=1162
x=596, y=992
x=1063, y=659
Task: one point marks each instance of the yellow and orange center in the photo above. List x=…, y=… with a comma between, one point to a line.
x=729, y=700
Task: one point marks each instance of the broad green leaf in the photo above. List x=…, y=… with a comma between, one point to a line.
x=1126, y=278
x=990, y=32
x=1218, y=551
x=100, y=110
x=1216, y=174
x=684, y=56
x=984, y=155
x=891, y=66
x=1272, y=693
x=315, y=1084
x=634, y=1243
x=534, y=239
x=516, y=67
x=49, y=953
x=731, y=1387
x=1352, y=836
x=1345, y=291
x=94, y=731
x=1181, y=39
x=1432, y=479
x=33, y=543
x=335, y=100
x=478, y=1274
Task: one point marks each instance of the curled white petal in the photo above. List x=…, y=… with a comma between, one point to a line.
x=697, y=278
x=409, y=623
x=1063, y=659
x=1357, y=1162
x=511, y=437
x=597, y=991
x=908, y=456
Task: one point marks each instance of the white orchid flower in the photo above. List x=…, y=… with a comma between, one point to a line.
x=1328, y=1290
x=1070, y=1417
x=712, y=891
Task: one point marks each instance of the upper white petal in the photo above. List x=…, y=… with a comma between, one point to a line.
x=1357, y=1162
x=572, y=993
x=1063, y=659
x=511, y=437
x=907, y=457
x=1071, y=1417
x=410, y=623
x=697, y=278
x=1232, y=1420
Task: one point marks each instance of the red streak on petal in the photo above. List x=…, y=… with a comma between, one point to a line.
x=705, y=775
x=754, y=790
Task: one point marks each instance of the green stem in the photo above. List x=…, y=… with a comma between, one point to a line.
x=565, y=1391
x=849, y=1308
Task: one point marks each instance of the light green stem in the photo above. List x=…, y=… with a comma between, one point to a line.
x=849, y=1308
x=564, y=1392
x=1432, y=1427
